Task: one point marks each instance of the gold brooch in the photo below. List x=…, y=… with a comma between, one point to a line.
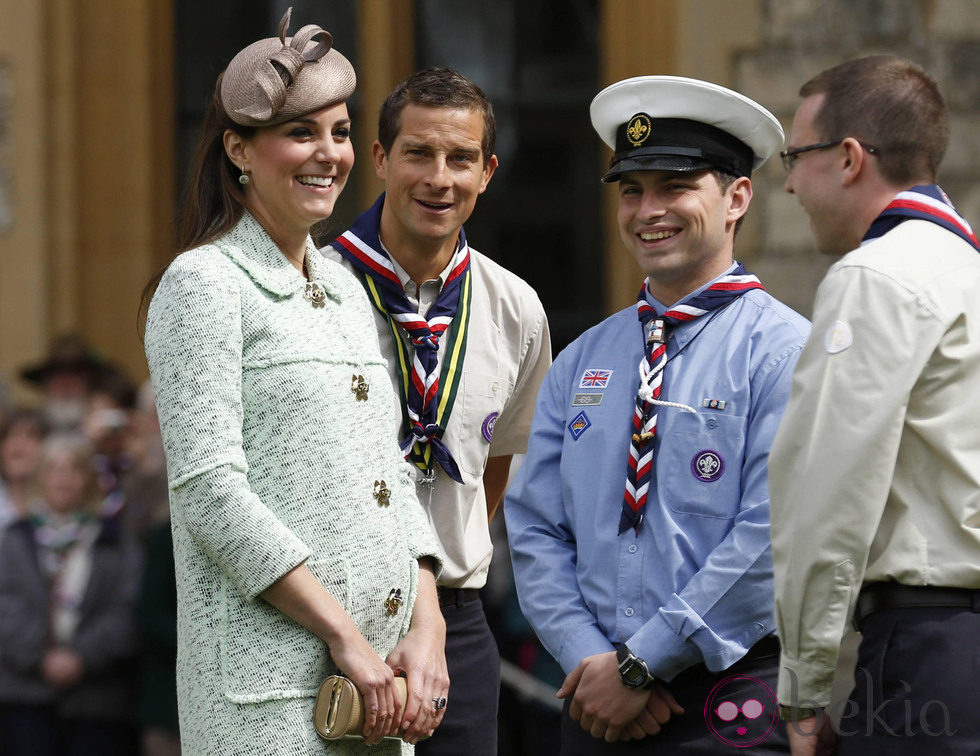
x=638, y=129
x=382, y=493
x=314, y=294
x=359, y=387
x=393, y=602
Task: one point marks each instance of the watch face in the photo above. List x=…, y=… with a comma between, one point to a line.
x=633, y=674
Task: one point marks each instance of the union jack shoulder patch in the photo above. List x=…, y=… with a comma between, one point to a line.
x=595, y=378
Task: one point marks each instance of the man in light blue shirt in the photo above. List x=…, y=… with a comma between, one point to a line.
x=639, y=522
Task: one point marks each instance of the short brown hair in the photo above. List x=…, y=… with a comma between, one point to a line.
x=436, y=88
x=890, y=103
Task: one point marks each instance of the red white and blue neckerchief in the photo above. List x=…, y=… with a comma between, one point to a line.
x=428, y=384
x=639, y=466
x=924, y=202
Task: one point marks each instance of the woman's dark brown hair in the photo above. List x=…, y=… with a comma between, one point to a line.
x=212, y=201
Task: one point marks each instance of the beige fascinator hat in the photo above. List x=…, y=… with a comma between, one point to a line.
x=277, y=79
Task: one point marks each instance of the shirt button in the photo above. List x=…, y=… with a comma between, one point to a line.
x=632, y=548
x=629, y=611
x=712, y=423
x=495, y=386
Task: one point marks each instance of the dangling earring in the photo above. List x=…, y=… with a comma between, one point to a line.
x=243, y=179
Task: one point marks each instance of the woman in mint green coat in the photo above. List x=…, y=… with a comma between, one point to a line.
x=300, y=547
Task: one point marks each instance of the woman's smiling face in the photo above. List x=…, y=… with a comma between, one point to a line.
x=297, y=169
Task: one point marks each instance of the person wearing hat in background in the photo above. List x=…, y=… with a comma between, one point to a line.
x=65, y=377
x=474, y=335
x=639, y=522
x=300, y=547
x=876, y=467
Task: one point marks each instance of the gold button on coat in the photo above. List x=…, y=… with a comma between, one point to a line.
x=382, y=493
x=359, y=387
x=394, y=602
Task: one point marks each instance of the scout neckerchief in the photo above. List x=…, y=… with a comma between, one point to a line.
x=639, y=466
x=65, y=556
x=427, y=395
x=924, y=202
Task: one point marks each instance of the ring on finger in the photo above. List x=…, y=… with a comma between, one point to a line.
x=439, y=702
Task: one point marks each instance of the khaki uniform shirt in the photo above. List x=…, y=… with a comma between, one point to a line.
x=508, y=352
x=875, y=470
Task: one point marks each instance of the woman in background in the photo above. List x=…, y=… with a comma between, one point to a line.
x=300, y=547
x=67, y=635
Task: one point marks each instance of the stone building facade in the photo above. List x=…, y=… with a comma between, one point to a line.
x=799, y=38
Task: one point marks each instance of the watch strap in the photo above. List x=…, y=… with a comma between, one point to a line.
x=625, y=656
x=796, y=713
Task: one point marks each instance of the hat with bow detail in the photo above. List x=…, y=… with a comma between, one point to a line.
x=280, y=78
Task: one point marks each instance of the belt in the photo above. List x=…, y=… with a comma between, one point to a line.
x=456, y=596
x=877, y=597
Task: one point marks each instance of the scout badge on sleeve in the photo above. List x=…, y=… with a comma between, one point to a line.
x=580, y=423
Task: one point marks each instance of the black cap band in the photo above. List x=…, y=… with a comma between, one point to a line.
x=676, y=144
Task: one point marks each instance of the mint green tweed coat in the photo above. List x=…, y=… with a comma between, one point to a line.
x=273, y=460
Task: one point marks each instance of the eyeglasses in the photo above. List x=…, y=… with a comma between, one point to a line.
x=789, y=156
x=751, y=709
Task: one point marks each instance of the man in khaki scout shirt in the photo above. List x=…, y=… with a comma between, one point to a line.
x=445, y=311
x=875, y=470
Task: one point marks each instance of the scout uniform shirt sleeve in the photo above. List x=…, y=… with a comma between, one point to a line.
x=512, y=429
x=725, y=607
x=832, y=462
x=542, y=543
x=194, y=349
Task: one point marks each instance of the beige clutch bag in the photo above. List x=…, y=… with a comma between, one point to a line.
x=339, y=708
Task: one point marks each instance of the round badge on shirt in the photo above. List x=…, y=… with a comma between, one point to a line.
x=488, y=424
x=707, y=465
x=837, y=337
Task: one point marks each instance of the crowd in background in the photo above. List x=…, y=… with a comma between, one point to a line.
x=87, y=589
x=87, y=595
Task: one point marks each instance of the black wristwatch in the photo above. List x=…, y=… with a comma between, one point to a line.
x=633, y=671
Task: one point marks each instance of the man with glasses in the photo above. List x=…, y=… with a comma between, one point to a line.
x=638, y=523
x=875, y=471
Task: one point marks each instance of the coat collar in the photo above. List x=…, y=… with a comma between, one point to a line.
x=250, y=247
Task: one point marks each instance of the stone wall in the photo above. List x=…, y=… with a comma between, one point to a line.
x=799, y=38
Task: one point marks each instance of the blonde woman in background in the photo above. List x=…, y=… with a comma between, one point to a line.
x=67, y=635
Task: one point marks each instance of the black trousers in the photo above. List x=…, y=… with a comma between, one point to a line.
x=916, y=685
x=706, y=727
x=469, y=727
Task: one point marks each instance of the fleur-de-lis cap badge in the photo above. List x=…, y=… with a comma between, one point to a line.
x=638, y=129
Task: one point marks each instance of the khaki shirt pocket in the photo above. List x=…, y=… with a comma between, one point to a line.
x=482, y=401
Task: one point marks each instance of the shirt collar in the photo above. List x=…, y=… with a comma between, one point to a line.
x=250, y=247
x=661, y=308
x=406, y=280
